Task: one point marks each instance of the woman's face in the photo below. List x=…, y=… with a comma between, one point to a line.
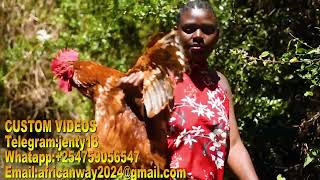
x=198, y=33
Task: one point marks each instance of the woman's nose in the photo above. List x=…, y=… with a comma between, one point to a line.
x=198, y=36
x=198, y=33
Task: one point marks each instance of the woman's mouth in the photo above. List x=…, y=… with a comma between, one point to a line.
x=197, y=49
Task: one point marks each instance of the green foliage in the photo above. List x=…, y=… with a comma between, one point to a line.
x=268, y=50
x=279, y=177
x=272, y=63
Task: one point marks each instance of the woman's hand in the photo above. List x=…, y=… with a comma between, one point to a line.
x=134, y=79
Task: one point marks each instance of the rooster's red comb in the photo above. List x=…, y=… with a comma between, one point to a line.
x=68, y=55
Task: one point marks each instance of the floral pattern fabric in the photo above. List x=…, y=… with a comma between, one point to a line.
x=199, y=127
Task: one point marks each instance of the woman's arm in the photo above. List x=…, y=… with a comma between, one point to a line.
x=239, y=159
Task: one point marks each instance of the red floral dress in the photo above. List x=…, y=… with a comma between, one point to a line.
x=199, y=127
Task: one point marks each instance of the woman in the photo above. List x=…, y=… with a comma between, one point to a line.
x=203, y=129
x=203, y=122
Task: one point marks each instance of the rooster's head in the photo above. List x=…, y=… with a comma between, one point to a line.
x=62, y=67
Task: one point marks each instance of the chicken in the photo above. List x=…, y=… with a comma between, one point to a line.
x=129, y=118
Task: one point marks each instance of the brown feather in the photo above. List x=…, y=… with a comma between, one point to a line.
x=119, y=109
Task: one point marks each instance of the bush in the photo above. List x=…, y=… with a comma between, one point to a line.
x=268, y=50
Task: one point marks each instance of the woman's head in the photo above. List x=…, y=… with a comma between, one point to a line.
x=197, y=28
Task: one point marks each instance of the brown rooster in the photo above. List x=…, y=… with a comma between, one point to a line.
x=129, y=117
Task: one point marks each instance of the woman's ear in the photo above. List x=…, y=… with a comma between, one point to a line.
x=175, y=27
x=216, y=38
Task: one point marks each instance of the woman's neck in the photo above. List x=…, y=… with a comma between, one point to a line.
x=199, y=66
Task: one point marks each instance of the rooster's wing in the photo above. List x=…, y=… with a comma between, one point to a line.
x=163, y=60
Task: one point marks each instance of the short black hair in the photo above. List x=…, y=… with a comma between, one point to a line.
x=194, y=4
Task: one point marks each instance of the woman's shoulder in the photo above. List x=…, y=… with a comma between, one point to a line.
x=224, y=83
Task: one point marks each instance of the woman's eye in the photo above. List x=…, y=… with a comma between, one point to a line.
x=208, y=29
x=189, y=29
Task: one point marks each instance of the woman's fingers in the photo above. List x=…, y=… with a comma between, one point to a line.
x=139, y=79
x=134, y=78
